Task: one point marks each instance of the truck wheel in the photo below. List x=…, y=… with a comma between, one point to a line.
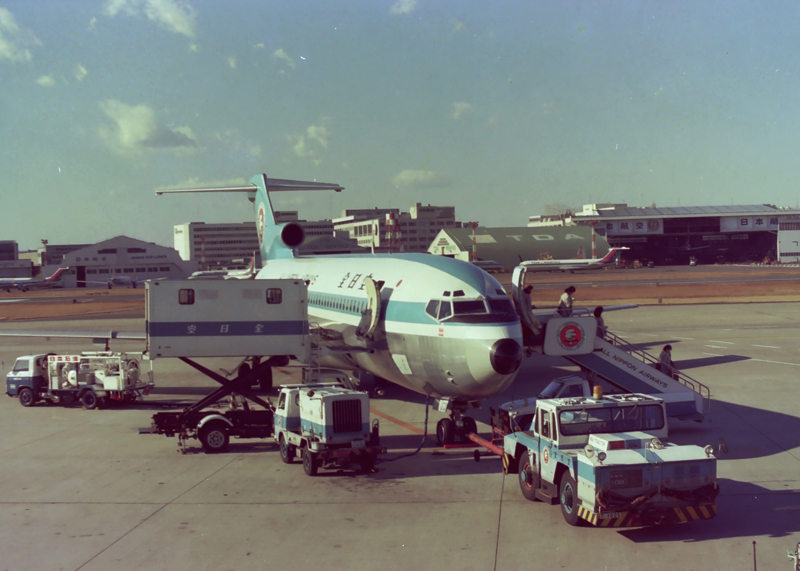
x=367, y=463
x=26, y=397
x=445, y=432
x=568, y=496
x=310, y=462
x=89, y=400
x=528, y=478
x=287, y=450
x=214, y=437
x=265, y=380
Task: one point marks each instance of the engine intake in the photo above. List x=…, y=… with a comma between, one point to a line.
x=293, y=235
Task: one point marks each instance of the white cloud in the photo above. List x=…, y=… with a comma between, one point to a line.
x=177, y=16
x=458, y=26
x=80, y=72
x=14, y=40
x=460, y=108
x=136, y=130
x=281, y=55
x=421, y=179
x=46, y=81
x=404, y=6
x=308, y=146
x=320, y=134
x=232, y=62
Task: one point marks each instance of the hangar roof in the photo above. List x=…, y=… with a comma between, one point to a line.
x=512, y=245
x=687, y=211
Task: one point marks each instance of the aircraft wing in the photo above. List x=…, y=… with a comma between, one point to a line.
x=131, y=335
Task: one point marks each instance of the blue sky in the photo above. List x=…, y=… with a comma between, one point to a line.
x=503, y=109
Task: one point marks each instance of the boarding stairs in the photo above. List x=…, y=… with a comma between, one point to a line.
x=632, y=369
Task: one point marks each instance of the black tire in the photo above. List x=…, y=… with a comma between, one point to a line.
x=568, y=497
x=310, y=462
x=528, y=478
x=445, y=432
x=26, y=397
x=367, y=463
x=89, y=400
x=244, y=368
x=468, y=425
x=287, y=450
x=265, y=380
x=214, y=437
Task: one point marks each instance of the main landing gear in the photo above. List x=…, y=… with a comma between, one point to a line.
x=458, y=425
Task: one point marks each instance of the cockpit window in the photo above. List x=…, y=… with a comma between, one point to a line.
x=501, y=306
x=433, y=308
x=445, y=310
x=469, y=307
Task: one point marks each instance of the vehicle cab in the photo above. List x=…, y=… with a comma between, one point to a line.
x=28, y=371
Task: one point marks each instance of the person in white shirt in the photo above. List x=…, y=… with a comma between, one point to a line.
x=565, y=303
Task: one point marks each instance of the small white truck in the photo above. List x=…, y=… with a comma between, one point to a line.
x=94, y=378
x=328, y=424
x=606, y=460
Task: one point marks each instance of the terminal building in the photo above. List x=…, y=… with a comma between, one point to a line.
x=389, y=230
x=674, y=235
x=231, y=245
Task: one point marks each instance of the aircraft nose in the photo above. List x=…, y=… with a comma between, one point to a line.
x=506, y=356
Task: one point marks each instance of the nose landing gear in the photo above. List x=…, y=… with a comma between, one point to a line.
x=457, y=425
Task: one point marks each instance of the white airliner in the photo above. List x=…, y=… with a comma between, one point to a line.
x=574, y=264
x=245, y=274
x=24, y=284
x=438, y=326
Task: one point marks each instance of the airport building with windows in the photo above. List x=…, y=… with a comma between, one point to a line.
x=231, y=245
x=389, y=230
x=675, y=235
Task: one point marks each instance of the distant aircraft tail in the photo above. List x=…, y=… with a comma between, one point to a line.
x=580, y=255
x=56, y=275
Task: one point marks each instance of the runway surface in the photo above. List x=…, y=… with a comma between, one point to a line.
x=83, y=490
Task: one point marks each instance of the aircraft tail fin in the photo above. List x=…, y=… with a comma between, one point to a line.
x=580, y=255
x=275, y=240
x=56, y=274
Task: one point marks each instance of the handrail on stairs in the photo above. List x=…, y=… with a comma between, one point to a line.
x=651, y=360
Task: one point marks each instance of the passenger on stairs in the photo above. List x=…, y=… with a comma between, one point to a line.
x=601, y=324
x=666, y=364
x=565, y=303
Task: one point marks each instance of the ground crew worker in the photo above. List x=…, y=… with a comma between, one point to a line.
x=565, y=303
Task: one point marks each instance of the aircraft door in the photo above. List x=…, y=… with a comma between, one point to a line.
x=523, y=301
x=372, y=315
x=547, y=437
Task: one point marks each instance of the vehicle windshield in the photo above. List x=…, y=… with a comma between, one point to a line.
x=21, y=365
x=611, y=419
x=551, y=390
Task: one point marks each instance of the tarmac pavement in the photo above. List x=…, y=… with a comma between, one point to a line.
x=83, y=490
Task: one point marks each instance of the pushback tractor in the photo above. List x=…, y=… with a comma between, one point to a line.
x=605, y=460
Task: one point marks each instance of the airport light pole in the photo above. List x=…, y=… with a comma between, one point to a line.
x=474, y=225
